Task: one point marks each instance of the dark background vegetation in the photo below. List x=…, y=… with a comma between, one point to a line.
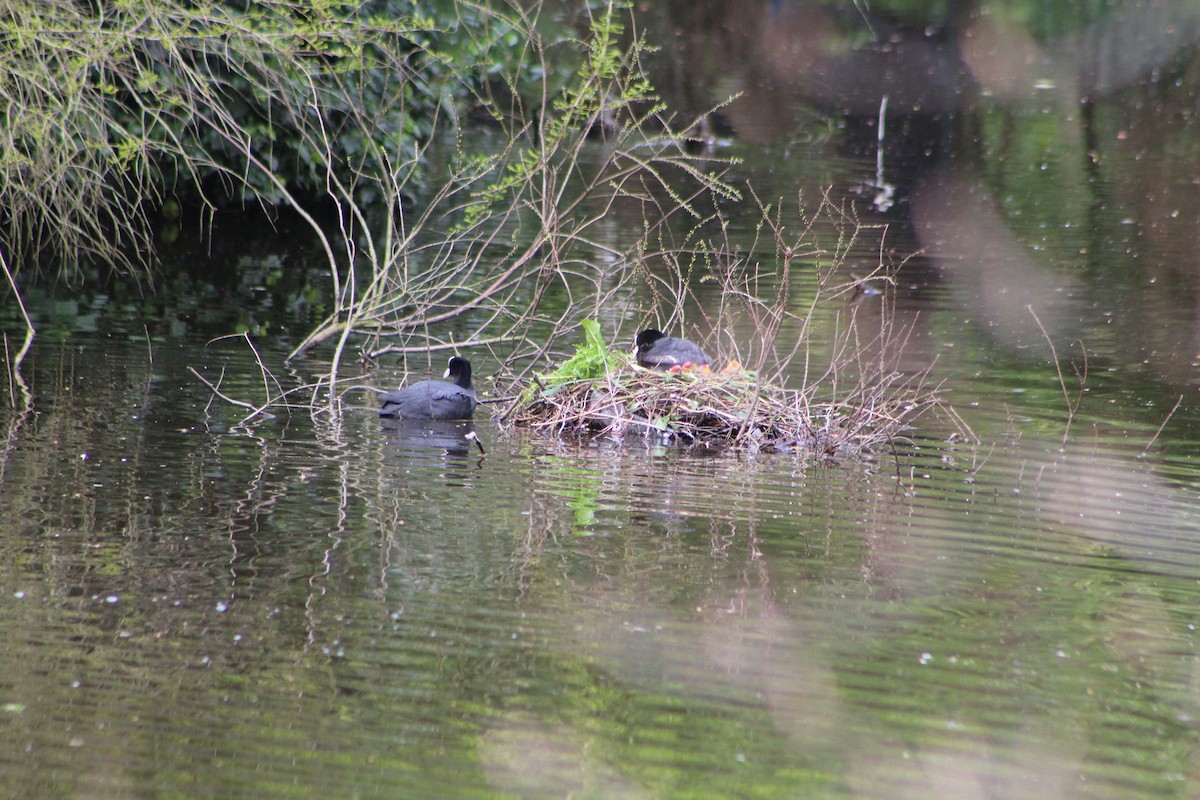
x=197, y=164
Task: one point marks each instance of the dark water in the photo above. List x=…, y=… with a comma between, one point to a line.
x=342, y=609
x=298, y=607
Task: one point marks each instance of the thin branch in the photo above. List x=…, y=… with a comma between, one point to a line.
x=1072, y=407
x=1158, y=432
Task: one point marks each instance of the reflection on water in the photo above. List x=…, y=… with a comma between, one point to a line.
x=427, y=444
x=357, y=608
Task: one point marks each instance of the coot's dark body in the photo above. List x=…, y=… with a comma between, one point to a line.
x=434, y=399
x=656, y=350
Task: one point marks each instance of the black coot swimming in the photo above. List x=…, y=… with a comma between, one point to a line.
x=434, y=399
x=656, y=350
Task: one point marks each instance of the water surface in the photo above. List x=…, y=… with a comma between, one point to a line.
x=301, y=610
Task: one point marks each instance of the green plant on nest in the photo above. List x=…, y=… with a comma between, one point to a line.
x=592, y=360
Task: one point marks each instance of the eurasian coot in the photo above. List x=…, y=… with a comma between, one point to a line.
x=434, y=399
x=656, y=350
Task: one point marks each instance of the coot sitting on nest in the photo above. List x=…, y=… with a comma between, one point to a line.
x=434, y=399
x=656, y=350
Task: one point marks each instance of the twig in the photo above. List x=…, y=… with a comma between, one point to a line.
x=29, y=329
x=12, y=387
x=149, y=347
x=14, y=364
x=1071, y=407
x=219, y=393
x=1154, y=438
x=267, y=376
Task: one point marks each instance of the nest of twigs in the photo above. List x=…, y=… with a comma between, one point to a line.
x=720, y=409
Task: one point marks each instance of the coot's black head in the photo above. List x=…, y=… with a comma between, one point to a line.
x=459, y=371
x=648, y=337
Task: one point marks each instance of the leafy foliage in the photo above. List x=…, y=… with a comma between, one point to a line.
x=592, y=361
x=112, y=108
